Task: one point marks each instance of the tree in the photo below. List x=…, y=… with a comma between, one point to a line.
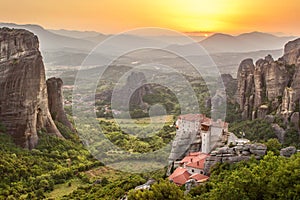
x=273, y=145
x=164, y=189
x=273, y=177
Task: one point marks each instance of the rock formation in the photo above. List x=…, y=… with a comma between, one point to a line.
x=288, y=151
x=132, y=92
x=292, y=52
x=245, y=87
x=55, y=102
x=270, y=86
x=234, y=154
x=279, y=131
x=23, y=97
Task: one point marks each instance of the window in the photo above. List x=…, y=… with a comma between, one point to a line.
x=193, y=170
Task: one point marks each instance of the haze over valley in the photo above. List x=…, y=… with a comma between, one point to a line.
x=155, y=100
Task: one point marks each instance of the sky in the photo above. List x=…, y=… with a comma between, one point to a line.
x=193, y=16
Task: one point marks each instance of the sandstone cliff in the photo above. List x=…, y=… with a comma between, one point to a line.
x=23, y=97
x=55, y=102
x=271, y=87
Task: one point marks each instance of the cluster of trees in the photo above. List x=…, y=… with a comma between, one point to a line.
x=32, y=174
x=273, y=177
x=259, y=130
x=163, y=189
x=137, y=143
x=114, y=188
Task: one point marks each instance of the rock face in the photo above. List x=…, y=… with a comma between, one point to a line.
x=23, y=97
x=133, y=90
x=245, y=87
x=234, y=154
x=136, y=78
x=280, y=132
x=270, y=86
x=55, y=102
x=292, y=52
x=288, y=151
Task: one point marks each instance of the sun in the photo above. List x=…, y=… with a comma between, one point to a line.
x=203, y=15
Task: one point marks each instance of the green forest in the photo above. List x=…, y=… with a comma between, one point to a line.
x=64, y=169
x=273, y=177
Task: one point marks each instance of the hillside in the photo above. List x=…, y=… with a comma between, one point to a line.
x=245, y=42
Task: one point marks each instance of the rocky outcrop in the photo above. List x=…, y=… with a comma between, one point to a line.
x=55, y=102
x=292, y=52
x=288, y=104
x=279, y=131
x=136, y=78
x=230, y=83
x=234, y=154
x=288, y=151
x=270, y=86
x=133, y=91
x=23, y=97
x=245, y=88
x=295, y=120
x=276, y=80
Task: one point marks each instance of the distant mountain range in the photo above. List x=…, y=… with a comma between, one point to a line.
x=219, y=42
x=75, y=34
x=70, y=47
x=50, y=41
x=245, y=42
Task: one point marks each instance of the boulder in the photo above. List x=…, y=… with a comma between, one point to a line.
x=270, y=118
x=280, y=132
x=258, y=149
x=288, y=151
x=295, y=119
x=262, y=111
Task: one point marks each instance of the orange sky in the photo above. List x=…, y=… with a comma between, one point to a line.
x=112, y=16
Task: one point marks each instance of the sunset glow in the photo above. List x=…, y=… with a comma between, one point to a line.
x=231, y=16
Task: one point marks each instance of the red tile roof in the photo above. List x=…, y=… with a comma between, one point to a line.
x=199, y=164
x=180, y=176
x=199, y=177
x=194, y=157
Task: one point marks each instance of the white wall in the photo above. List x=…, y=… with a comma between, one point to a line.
x=194, y=170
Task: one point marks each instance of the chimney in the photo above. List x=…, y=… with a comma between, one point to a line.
x=197, y=163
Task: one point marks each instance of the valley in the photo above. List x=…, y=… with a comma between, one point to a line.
x=143, y=119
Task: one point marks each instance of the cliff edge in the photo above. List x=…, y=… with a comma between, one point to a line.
x=23, y=97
